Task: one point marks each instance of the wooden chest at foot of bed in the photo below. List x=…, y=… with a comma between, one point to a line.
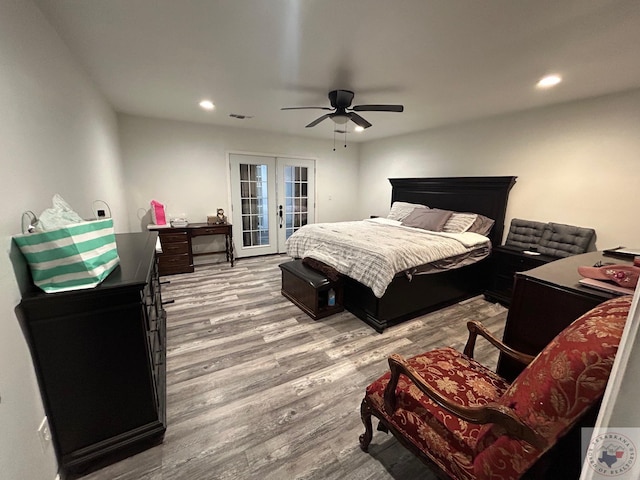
x=310, y=290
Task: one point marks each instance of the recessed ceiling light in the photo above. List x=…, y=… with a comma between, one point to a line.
x=358, y=129
x=207, y=104
x=549, y=81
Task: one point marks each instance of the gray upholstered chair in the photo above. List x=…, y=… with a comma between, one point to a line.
x=551, y=239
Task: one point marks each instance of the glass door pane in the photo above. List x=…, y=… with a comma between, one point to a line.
x=296, y=188
x=255, y=204
x=296, y=193
x=253, y=197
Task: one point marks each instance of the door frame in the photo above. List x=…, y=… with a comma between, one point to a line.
x=228, y=153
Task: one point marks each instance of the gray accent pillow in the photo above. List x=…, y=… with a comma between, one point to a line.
x=427, y=218
x=524, y=234
x=560, y=240
x=482, y=225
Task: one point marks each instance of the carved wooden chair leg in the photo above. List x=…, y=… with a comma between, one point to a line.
x=365, y=415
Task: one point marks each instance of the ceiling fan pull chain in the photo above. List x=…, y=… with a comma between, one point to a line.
x=334, y=140
x=345, y=138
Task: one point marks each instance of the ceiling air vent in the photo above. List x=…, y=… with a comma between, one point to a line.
x=240, y=117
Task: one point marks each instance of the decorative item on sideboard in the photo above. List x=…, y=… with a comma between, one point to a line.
x=158, y=214
x=219, y=219
x=179, y=222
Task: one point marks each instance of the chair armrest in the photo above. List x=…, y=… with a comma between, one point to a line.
x=476, y=328
x=490, y=413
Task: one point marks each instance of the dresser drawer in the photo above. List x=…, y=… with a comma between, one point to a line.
x=179, y=260
x=179, y=263
x=175, y=248
x=213, y=230
x=173, y=237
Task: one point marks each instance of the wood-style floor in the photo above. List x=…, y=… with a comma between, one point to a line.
x=257, y=389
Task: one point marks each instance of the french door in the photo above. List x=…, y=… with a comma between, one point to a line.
x=271, y=197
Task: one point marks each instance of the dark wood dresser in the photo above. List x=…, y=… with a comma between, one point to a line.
x=99, y=356
x=545, y=300
x=177, y=245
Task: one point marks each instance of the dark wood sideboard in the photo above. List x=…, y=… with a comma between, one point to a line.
x=99, y=356
x=177, y=245
x=545, y=300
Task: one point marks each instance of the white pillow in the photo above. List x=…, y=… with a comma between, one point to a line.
x=459, y=222
x=401, y=210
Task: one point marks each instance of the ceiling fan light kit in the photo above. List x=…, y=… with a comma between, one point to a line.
x=343, y=112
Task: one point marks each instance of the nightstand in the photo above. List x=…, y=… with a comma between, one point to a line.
x=505, y=263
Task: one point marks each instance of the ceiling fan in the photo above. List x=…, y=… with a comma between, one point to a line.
x=343, y=112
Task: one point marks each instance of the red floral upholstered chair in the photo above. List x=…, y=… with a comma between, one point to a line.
x=469, y=423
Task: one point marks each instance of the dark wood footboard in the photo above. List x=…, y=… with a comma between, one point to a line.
x=405, y=299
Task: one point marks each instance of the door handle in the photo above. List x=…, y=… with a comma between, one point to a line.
x=280, y=214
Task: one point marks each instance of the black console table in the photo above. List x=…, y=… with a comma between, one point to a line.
x=99, y=356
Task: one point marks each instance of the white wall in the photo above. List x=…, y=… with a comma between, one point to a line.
x=58, y=136
x=577, y=163
x=184, y=166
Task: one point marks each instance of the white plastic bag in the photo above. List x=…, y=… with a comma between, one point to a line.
x=60, y=215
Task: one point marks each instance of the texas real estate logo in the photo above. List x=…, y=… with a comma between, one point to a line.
x=611, y=454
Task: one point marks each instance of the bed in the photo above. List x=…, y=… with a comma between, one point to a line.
x=407, y=296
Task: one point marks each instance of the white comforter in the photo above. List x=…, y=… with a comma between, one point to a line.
x=374, y=250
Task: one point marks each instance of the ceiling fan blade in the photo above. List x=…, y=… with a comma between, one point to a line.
x=306, y=108
x=358, y=120
x=378, y=108
x=318, y=120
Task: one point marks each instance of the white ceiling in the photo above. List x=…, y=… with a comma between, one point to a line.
x=446, y=61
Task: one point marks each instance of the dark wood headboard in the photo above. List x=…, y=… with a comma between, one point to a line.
x=484, y=195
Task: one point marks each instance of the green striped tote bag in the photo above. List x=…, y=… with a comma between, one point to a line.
x=77, y=256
